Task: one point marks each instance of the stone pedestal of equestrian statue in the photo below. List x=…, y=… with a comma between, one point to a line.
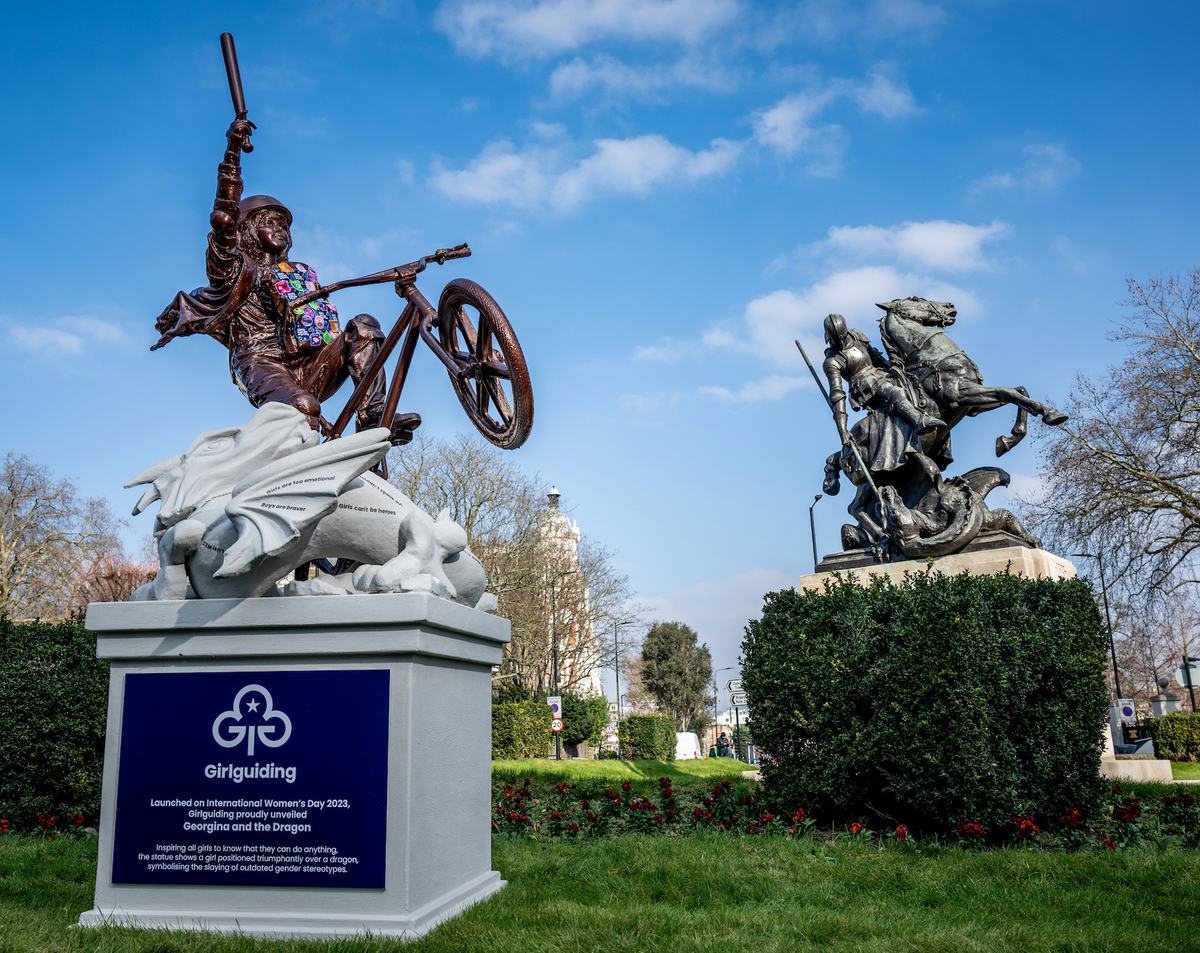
x=988, y=554
x=308, y=766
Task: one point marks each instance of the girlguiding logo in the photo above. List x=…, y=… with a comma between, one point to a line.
x=232, y=735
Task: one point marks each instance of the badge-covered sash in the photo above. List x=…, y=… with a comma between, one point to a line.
x=316, y=323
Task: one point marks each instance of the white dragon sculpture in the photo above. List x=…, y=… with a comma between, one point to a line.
x=244, y=506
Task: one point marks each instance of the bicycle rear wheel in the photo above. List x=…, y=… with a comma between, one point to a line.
x=494, y=387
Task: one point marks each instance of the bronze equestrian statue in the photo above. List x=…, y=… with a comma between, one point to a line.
x=903, y=506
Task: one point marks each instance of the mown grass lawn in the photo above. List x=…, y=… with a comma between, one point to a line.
x=1189, y=771
x=695, y=771
x=708, y=893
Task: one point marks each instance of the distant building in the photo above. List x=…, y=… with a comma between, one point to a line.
x=578, y=650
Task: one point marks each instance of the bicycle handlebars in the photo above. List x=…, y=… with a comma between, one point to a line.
x=399, y=274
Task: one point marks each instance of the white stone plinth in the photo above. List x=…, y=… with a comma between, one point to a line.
x=438, y=658
x=1019, y=560
x=1137, y=769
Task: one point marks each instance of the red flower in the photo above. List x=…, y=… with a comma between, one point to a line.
x=1130, y=810
x=856, y=827
x=972, y=830
x=1025, y=827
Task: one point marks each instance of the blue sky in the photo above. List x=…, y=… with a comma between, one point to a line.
x=661, y=194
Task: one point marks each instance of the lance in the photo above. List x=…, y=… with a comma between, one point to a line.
x=849, y=441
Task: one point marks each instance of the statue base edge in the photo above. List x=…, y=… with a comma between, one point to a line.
x=295, y=925
x=983, y=561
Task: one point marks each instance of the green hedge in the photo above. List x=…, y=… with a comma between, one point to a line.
x=1176, y=736
x=53, y=706
x=648, y=736
x=933, y=703
x=520, y=729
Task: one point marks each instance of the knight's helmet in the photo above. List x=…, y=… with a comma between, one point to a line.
x=835, y=329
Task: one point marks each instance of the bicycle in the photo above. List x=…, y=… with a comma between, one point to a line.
x=482, y=356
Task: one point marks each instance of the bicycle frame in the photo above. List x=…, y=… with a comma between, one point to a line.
x=416, y=320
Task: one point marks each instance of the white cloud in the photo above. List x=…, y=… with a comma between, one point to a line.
x=905, y=14
x=544, y=28
x=667, y=351
x=648, y=403
x=67, y=335
x=542, y=177
x=951, y=246
x=791, y=126
x=753, y=392
x=577, y=77
x=772, y=322
x=719, y=609
x=1078, y=257
x=884, y=97
x=1045, y=167
x=788, y=125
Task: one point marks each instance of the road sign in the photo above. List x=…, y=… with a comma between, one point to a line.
x=733, y=685
x=612, y=707
x=1181, y=676
x=738, y=699
x=555, y=703
x=1126, y=711
x=556, y=724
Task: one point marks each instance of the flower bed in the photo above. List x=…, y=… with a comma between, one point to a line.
x=599, y=809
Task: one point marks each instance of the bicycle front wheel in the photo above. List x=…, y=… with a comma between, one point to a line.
x=494, y=386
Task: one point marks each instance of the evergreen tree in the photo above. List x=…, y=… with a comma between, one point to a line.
x=676, y=670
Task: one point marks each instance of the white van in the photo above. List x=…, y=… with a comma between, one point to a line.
x=687, y=746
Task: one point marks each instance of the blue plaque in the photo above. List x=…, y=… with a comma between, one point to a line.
x=253, y=779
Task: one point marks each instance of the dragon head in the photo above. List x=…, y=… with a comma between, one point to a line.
x=218, y=459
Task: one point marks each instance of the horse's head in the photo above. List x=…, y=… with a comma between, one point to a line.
x=218, y=459
x=930, y=313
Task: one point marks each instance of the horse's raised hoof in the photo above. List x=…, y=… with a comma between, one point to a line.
x=1053, y=418
x=1003, y=445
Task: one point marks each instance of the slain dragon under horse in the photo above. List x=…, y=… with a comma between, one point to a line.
x=896, y=456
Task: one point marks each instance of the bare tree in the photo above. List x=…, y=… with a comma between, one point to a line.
x=49, y=539
x=1122, y=476
x=638, y=699
x=1154, y=643
x=113, y=578
x=545, y=574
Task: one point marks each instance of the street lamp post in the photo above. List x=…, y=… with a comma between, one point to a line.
x=1187, y=678
x=554, y=662
x=812, y=525
x=617, y=672
x=1108, y=618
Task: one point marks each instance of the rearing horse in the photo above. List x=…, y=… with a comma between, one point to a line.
x=940, y=371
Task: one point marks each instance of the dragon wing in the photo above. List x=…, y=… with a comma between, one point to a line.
x=277, y=502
